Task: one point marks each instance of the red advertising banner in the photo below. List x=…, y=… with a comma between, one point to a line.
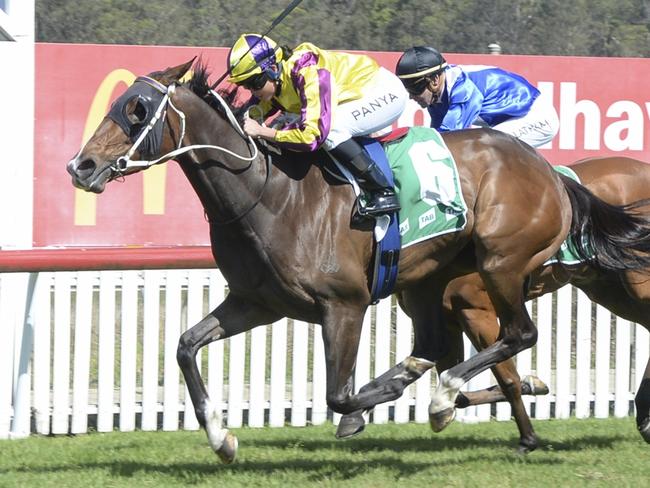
x=75, y=85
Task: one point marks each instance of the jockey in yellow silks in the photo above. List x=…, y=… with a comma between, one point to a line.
x=334, y=96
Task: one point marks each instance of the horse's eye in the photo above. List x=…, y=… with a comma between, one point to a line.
x=139, y=113
x=138, y=118
x=136, y=112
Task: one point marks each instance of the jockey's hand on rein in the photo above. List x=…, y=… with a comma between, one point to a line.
x=252, y=127
x=255, y=129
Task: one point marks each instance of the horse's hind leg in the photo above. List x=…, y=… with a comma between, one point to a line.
x=467, y=304
x=635, y=307
x=509, y=389
x=632, y=302
x=233, y=316
x=642, y=403
x=508, y=378
x=530, y=385
x=517, y=332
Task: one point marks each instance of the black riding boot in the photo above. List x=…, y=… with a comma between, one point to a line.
x=381, y=195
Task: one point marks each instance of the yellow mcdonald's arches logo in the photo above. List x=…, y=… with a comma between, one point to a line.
x=154, y=179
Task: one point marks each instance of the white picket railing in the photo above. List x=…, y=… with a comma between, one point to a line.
x=104, y=356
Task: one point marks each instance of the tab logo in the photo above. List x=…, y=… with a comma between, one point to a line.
x=427, y=218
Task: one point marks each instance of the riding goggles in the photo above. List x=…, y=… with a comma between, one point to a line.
x=417, y=87
x=255, y=82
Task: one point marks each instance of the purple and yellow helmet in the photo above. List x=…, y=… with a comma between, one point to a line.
x=252, y=55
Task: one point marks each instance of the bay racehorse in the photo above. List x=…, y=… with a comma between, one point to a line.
x=467, y=306
x=281, y=232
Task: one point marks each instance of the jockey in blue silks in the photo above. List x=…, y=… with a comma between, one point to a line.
x=463, y=96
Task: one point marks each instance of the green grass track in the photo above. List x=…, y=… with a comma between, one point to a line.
x=572, y=453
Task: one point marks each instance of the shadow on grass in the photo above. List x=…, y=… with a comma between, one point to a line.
x=396, y=455
x=344, y=468
x=433, y=444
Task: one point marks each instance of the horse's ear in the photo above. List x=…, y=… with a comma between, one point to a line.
x=175, y=73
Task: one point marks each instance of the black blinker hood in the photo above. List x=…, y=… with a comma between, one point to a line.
x=150, y=98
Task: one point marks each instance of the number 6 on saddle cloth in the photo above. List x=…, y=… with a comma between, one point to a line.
x=417, y=162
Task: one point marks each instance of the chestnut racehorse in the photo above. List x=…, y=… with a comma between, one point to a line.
x=467, y=306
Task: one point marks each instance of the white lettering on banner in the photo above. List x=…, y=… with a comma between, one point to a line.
x=614, y=137
x=569, y=111
x=627, y=133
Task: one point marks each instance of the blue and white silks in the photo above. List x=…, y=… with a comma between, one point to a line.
x=481, y=92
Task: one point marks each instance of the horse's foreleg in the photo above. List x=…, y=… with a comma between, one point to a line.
x=430, y=344
x=230, y=318
x=389, y=386
x=642, y=403
x=341, y=331
x=424, y=307
x=508, y=378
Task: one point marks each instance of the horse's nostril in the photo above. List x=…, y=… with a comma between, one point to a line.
x=86, y=165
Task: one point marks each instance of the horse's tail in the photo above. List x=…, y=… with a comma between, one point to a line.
x=608, y=237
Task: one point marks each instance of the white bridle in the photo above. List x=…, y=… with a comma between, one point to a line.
x=125, y=162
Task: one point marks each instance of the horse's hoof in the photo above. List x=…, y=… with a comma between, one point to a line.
x=536, y=386
x=440, y=420
x=526, y=447
x=644, y=430
x=350, y=425
x=228, y=449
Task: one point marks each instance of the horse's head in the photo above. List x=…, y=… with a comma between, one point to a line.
x=134, y=127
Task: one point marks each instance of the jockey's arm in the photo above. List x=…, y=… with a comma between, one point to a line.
x=257, y=112
x=459, y=116
x=316, y=98
x=465, y=104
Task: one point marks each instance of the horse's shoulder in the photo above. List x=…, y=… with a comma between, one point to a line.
x=313, y=169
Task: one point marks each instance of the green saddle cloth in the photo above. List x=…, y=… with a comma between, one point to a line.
x=567, y=254
x=427, y=184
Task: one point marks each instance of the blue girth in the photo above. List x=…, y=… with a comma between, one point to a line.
x=386, y=252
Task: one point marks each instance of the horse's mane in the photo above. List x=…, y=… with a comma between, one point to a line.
x=199, y=85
